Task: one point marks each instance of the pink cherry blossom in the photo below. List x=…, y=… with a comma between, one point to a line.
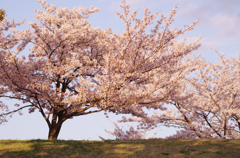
x=207, y=104
x=75, y=69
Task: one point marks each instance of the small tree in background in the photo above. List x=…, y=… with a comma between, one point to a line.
x=2, y=14
x=126, y=135
x=74, y=69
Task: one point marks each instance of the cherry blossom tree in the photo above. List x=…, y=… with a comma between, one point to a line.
x=207, y=105
x=213, y=109
x=74, y=69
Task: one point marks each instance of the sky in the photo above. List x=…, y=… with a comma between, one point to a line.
x=219, y=28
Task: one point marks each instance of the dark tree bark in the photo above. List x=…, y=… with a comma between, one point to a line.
x=55, y=127
x=54, y=131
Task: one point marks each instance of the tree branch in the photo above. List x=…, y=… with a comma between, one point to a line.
x=17, y=110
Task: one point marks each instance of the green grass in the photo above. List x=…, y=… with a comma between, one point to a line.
x=119, y=148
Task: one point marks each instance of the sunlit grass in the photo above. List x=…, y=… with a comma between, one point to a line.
x=118, y=148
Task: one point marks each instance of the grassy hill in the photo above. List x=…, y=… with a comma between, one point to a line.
x=119, y=148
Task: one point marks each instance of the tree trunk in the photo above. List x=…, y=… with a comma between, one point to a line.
x=54, y=131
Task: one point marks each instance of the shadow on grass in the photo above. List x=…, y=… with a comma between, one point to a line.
x=118, y=148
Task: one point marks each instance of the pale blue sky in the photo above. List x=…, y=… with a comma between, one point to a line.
x=219, y=26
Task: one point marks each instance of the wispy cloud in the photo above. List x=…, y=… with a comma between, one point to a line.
x=219, y=15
